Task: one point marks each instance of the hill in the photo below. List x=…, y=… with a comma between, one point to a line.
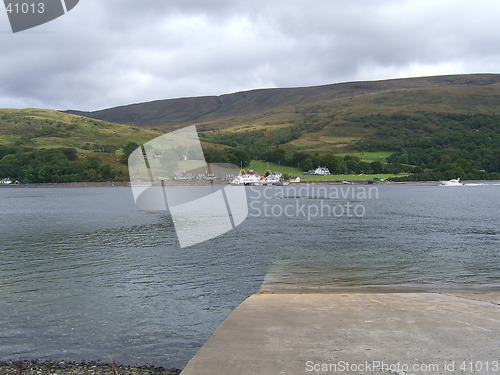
x=42, y=128
x=38, y=145
x=454, y=93
x=428, y=127
x=330, y=118
x=427, y=122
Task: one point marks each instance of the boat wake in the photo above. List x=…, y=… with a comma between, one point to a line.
x=481, y=184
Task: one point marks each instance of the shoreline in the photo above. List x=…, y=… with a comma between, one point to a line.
x=248, y=333
x=127, y=184
x=38, y=367
x=67, y=185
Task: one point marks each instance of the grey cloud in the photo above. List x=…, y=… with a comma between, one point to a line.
x=113, y=52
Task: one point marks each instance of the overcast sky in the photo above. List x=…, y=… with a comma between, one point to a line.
x=105, y=53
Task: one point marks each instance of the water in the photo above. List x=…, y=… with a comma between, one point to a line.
x=85, y=275
x=411, y=238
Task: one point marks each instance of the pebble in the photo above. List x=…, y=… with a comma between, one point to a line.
x=83, y=368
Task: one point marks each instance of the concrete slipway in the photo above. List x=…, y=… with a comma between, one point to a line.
x=356, y=333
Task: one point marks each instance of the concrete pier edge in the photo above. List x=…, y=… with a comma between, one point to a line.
x=358, y=333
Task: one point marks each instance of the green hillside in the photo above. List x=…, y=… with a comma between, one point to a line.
x=39, y=145
x=425, y=128
x=447, y=124
x=40, y=128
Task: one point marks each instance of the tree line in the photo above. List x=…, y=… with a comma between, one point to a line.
x=52, y=166
x=427, y=146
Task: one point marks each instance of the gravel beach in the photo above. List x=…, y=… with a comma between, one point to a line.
x=82, y=368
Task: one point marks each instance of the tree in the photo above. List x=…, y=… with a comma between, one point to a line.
x=92, y=162
x=298, y=158
x=127, y=150
x=377, y=167
x=70, y=153
x=277, y=155
x=444, y=159
x=106, y=172
x=238, y=156
x=214, y=155
x=10, y=167
x=352, y=163
x=6, y=150
x=463, y=164
x=403, y=159
x=352, y=166
x=307, y=164
x=332, y=163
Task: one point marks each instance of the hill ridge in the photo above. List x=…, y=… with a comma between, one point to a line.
x=174, y=112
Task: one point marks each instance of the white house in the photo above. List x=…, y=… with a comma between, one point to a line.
x=323, y=171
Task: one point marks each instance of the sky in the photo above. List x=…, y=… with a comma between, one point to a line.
x=106, y=53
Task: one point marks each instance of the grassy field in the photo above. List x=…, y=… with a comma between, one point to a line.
x=316, y=142
x=347, y=177
x=261, y=166
x=370, y=156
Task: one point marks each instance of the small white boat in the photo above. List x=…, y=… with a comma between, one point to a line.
x=453, y=182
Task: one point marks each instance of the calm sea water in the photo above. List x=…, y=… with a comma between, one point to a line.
x=85, y=275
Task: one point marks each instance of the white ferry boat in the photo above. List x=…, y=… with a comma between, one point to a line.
x=248, y=178
x=252, y=178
